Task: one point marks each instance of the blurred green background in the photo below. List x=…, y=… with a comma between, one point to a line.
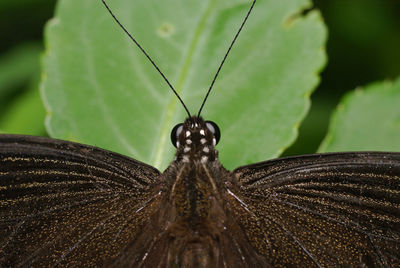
x=363, y=46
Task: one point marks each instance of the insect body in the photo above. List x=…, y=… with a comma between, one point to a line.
x=66, y=204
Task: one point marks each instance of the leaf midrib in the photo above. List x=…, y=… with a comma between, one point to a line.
x=171, y=107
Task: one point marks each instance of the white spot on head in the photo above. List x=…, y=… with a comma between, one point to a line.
x=206, y=149
x=185, y=159
x=202, y=132
x=186, y=149
x=187, y=133
x=177, y=144
x=196, y=125
x=188, y=141
x=203, y=140
x=214, y=142
x=204, y=159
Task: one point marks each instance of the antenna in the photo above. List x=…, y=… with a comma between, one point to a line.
x=226, y=55
x=147, y=55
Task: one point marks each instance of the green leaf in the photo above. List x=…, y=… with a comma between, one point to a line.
x=99, y=88
x=366, y=119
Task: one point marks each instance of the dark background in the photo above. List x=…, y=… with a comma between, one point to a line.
x=363, y=47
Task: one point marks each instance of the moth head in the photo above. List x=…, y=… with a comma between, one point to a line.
x=196, y=139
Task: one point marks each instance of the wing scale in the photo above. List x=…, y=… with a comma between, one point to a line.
x=63, y=202
x=324, y=209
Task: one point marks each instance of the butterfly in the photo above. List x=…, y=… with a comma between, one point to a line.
x=69, y=204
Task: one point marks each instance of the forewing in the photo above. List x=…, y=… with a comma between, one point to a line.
x=322, y=210
x=70, y=204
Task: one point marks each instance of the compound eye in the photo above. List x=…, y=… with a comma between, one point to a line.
x=176, y=131
x=214, y=130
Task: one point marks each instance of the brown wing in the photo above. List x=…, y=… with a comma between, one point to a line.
x=323, y=210
x=70, y=204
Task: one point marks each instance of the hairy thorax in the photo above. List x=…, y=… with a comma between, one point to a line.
x=196, y=218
